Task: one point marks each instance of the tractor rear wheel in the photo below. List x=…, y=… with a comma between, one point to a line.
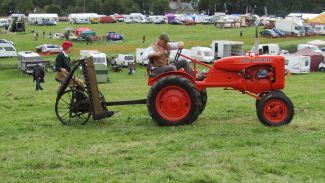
x=72, y=107
x=204, y=99
x=275, y=109
x=174, y=100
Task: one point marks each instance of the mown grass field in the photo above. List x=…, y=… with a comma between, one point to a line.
x=226, y=144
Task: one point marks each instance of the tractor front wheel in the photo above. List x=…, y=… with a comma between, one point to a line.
x=174, y=100
x=275, y=109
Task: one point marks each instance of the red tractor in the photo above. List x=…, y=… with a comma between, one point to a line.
x=176, y=98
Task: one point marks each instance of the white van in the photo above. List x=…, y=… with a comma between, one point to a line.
x=100, y=63
x=27, y=60
x=226, y=48
x=123, y=59
x=7, y=50
x=186, y=52
x=203, y=54
x=268, y=49
x=297, y=64
x=312, y=47
x=138, y=56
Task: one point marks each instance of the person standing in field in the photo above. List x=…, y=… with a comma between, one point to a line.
x=38, y=76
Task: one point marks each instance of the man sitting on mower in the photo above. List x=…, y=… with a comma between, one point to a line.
x=158, y=54
x=62, y=64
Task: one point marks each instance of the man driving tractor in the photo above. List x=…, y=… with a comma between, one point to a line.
x=158, y=54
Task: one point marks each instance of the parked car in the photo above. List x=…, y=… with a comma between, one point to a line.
x=45, y=48
x=269, y=33
x=6, y=41
x=48, y=23
x=113, y=36
x=279, y=32
x=176, y=22
x=323, y=49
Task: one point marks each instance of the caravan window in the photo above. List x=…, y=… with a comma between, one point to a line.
x=199, y=53
x=100, y=60
x=306, y=63
x=286, y=62
x=207, y=54
x=0, y=48
x=128, y=57
x=9, y=49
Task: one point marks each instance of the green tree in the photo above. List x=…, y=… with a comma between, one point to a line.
x=159, y=7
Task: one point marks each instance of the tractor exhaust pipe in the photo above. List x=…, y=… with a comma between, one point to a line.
x=257, y=41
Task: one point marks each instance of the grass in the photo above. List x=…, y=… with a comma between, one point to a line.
x=226, y=144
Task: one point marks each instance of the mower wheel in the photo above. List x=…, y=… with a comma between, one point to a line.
x=72, y=107
x=275, y=109
x=204, y=99
x=174, y=100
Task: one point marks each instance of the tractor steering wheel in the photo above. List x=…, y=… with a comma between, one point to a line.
x=179, y=51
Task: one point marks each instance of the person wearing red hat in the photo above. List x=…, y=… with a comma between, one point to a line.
x=62, y=63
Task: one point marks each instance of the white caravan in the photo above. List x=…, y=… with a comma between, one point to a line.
x=137, y=17
x=186, y=52
x=27, y=60
x=203, y=54
x=138, y=56
x=297, y=64
x=7, y=50
x=225, y=48
x=82, y=18
x=40, y=19
x=100, y=63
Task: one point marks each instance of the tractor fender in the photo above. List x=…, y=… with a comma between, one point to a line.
x=152, y=81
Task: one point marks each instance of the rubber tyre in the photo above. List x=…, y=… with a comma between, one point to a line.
x=204, y=99
x=275, y=109
x=67, y=102
x=174, y=100
x=322, y=69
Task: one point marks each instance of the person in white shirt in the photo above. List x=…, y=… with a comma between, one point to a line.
x=158, y=54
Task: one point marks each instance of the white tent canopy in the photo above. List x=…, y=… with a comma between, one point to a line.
x=317, y=42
